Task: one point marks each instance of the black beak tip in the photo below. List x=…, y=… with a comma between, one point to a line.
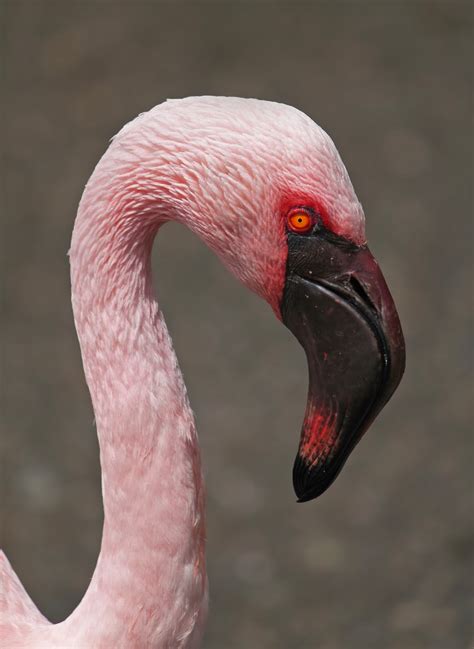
x=310, y=481
x=304, y=499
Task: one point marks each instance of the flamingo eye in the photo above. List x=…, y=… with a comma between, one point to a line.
x=300, y=220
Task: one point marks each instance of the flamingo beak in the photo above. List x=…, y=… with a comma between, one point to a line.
x=338, y=306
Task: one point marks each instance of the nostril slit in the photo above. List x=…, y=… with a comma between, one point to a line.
x=359, y=289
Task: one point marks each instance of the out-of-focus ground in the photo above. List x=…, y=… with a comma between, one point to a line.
x=383, y=559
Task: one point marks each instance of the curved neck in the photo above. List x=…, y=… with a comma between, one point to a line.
x=149, y=584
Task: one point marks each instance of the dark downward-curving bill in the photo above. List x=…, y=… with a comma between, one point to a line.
x=337, y=304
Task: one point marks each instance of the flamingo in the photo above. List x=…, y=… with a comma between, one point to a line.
x=264, y=187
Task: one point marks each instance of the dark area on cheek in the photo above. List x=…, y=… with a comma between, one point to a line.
x=302, y=247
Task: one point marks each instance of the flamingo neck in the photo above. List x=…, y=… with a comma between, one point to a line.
x=149, y=586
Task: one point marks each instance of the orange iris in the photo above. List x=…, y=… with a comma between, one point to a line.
x=299, y=220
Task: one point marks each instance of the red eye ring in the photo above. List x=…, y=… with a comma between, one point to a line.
x=300, y=220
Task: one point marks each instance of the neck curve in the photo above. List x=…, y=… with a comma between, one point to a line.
x=149, y=587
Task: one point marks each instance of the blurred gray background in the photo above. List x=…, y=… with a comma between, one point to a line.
x=382, y=560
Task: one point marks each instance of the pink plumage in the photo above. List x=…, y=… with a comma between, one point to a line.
x=223, y=167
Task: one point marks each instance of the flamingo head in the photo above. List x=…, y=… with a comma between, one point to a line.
x=265, y=187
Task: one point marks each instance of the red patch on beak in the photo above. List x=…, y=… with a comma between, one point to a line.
x=319, y=433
